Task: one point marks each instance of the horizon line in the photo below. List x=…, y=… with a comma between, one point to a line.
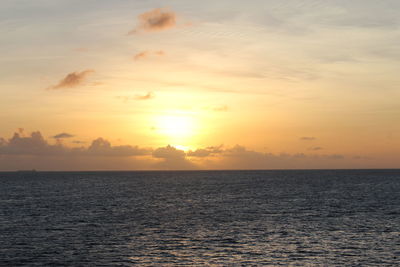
x=204, y=170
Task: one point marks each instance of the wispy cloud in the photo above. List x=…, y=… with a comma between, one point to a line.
x=62, y=136
x=72, y=79
x=147, y=54
x=158, y=19
x=146, y=96
x=308, y=138
x=220, y=108
x=316, y=148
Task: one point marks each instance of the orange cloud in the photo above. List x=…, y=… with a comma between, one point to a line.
x=72, y=79
x=205, y=152
x=221, y=108
x=147, y=96
x=158, y=19
x=147, y=54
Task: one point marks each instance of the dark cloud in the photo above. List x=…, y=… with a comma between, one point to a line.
x=102, y=147
x=358, y=157
x=308, y=138
x=158, y=19
x=169, y=152
x=333, y=156
x=35, y=144
x=240, y=157
x=205, y=152
x=3, y=142
x=72, y=79
x=62, y=135
x=172, y=158
x=147, y=54
x=27, y=151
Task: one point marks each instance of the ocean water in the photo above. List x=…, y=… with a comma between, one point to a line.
x=214, y=218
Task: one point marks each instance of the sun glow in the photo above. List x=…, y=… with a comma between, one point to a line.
x=176, y=126
x=180, y=147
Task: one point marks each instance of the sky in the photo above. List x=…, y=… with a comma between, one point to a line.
x=228, y=84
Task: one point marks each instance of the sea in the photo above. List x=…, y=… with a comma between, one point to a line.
x=200, y=218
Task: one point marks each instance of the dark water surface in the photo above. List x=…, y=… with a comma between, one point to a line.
x=222, y=218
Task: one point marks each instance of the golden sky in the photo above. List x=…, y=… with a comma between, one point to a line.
x=259, y=84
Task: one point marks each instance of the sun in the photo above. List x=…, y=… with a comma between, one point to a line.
x=179, y=126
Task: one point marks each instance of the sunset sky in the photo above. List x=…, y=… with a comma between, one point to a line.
x=228, y=84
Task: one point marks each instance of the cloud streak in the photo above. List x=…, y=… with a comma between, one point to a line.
x=158, y=19
x=147, y=96
x=73, y=79
x=206, y=152
x=308, y=138
x=146, y=54
x=315, y=148
x=62, y=136
x=220, y=108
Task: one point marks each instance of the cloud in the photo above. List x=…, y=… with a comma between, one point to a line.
x=172, y=158
x=358, y=157
x=158, y=19
x=102, y=147
x=35, y=144
x=316, y=148
x=72, y=79
x=147, y=54
x=3, y=142
x=333, y=156
x=168, y=152
x=240, y=157
x=221, y=108
x=62, y=135
x=308, y=138
x=205, y=152
x=146, y=96
x=27, y=151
